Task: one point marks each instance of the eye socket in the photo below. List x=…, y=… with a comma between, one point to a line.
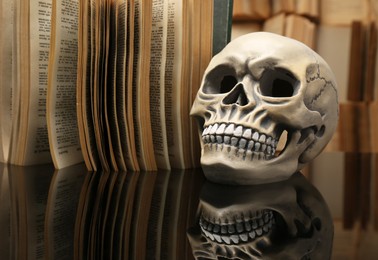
x=228, y=83
x=278, y=83
x=220, y=80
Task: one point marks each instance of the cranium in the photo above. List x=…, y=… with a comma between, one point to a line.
x=259, y=86
x=280, y=220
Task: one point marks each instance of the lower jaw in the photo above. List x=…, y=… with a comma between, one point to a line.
x=232, y=166
x=236, y=153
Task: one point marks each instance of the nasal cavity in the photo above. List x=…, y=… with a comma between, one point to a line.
x=236, y=96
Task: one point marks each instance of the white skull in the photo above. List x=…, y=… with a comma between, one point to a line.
x=260, y=85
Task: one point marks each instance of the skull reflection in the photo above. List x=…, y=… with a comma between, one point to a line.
x=281, y=220
x=258, y=87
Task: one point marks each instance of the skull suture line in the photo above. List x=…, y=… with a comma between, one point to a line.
x=257, y=87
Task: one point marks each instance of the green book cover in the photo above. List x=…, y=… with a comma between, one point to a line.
x=222, y=24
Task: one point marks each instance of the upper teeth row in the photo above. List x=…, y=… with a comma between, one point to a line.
x=240, y=231
x=238, y=135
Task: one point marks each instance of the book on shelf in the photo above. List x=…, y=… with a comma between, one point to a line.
x=106, y=82
x=251, y=10
x=353, y=60
x=307, y=8
x=260, y=10
x=283, y=6
x=294, y=26
x=342, y=13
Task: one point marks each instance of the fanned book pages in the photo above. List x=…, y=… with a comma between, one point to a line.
x=107, y=82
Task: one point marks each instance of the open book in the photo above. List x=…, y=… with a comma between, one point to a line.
x=107, y=82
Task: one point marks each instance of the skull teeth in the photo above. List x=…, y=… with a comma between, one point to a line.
x=239, y=231
x=240, y=137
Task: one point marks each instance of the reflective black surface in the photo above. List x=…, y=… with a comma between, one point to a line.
x=282, y=220
x=75, y=214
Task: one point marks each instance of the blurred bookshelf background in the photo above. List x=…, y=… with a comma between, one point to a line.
x=344, y=33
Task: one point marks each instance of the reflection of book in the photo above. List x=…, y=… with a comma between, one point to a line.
x=122, y=234
x=84, y=215
x=171, y=215
x=155, y=222
x=110, y=213
x=107, y=82
x=140, y=215
x=29, y=191
x=5, y=214
x=62, y=202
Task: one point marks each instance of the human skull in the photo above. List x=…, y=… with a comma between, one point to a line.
x=280, y=220
x=259, y=86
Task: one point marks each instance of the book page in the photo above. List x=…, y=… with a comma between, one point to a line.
x=37, y=149
x=84, y=93
x=111, y=94
x=172, y=84
x=97, y=37
x=61, y=101
x=157, y=76
x=208, y=16
x=141, y=90
x=195, y=75
x=185, y=98
x=130, y=95
x=106, y=91
x=16, y=82
x=6, y=43
x=121, y=77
